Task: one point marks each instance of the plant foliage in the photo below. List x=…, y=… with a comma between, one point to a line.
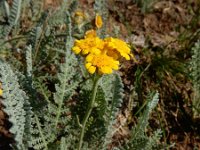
x=46, y=91
x=14, y=103
x=139, y=139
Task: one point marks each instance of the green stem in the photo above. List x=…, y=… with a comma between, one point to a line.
x=88, y=112
x=140, y=109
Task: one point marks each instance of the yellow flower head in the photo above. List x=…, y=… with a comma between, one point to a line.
x=91, y=44
x=98, y=21
x=102, y=63
x=101, y=56
x=118, y=48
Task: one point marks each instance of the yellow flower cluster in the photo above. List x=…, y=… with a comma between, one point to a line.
x=101, y=55
x=103, y=62
x=91, y=44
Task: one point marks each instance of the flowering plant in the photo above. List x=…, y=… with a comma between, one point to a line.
x=49, y=103
x=102, y=56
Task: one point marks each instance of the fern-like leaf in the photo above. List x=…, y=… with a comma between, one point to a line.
x=13, y=17
x=139, y=140
x=68, y=77
x=14, y=102
x=143, y=120
x=113, y=89
x=41, y=136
